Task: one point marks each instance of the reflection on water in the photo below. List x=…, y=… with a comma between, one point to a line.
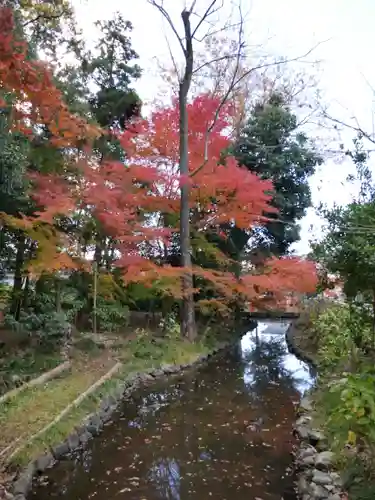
x=165, y=474
x=223, y=431
x=264, y=351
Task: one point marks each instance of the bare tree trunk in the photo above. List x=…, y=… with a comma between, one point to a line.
x=188, y=325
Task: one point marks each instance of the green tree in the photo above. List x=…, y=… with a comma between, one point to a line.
x=50, y=26
x=271, y=146
x=109, y=67
x=348, y=250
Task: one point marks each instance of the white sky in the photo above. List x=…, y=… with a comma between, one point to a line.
x=286, y=28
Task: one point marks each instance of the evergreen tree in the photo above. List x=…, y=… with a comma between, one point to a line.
x=271, y=146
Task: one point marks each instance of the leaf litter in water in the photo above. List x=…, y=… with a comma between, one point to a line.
x=150, y=457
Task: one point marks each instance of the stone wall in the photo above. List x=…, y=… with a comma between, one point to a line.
x=317, y=478
x=314, y=462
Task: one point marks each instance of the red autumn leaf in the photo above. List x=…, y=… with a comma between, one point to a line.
x=36, y=100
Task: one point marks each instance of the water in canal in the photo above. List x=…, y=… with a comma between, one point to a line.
x=221, y=432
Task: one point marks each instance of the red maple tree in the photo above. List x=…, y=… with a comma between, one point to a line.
x=124, y=197
x=127, y=198
x=33, y=103
x=33, y=97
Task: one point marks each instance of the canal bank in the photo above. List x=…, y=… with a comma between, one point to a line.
x=316, y=475
x=93, y=424
x=222, y=429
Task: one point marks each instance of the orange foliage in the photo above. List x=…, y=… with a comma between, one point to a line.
x=219, y=193
x=37, y=100
x=32, y=100
x=222, y=193
x=123, y=197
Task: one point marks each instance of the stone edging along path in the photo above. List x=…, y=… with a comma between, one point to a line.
x=93, y=424
x=314, y=462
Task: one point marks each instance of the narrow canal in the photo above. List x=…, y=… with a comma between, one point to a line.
x=221, y=432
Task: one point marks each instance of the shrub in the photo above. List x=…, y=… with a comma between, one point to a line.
x=144, y=346
x=306, y=336
x=45, y=330
x=346, y=398
x=342, y=332
x=111, y=315
x=351, y=408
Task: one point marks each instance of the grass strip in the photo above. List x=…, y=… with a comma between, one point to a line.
x=34, y=409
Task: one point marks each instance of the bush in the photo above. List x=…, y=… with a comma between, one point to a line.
x=45, y=330
x=342, y=332
x=5, y=295
x=111, y=315
x=170, y=326
x=17, y=368
x=346, y=396
x=170, y=348
x=145, y=347
x=351, y=408
x=305, y=335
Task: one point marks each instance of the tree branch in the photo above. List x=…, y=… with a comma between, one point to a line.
x=207, y=13
x=167, y=17
x=172, y=57
x=235, y=81
x=48, y=17
x=357, y=128
x=226, y=57
x=215, y=32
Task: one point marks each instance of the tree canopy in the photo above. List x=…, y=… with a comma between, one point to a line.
x=271, y=146
x=86, y=174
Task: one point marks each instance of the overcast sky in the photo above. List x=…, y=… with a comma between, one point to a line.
x=287, y=28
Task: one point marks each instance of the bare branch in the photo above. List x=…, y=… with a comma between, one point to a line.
x=236, y=79
x=275, y=63
x=209, y=11
x=226, y=57
x=358, y=129
x=167, y=17
x=192, y=6
x=188, y=51
x=215, y=32
x=172, y=56
x=224, y=99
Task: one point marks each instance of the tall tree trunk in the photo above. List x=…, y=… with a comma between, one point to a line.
x=58, y=294
x=17, y=283
x=188, y=325
x=373, y=324
x=26, y=289
x=98, y=252
x=98, y=256
x=94, y=301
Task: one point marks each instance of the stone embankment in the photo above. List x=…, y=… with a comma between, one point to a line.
x=315, y=463
x=94, y=424
x=317, y=478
